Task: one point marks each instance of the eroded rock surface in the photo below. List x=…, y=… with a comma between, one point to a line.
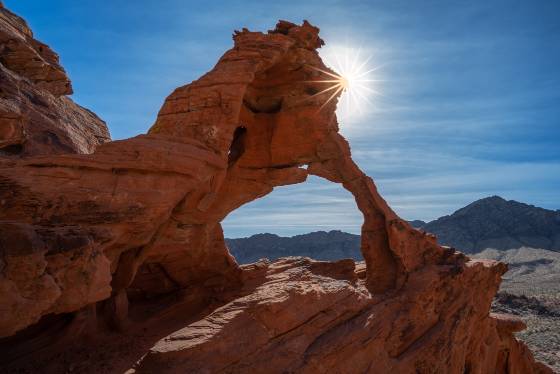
x=35, y=115
x=305, y=316
x=91, y=237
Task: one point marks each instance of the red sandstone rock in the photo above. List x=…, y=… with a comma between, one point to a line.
x=142, y=217
x=299, y=320
x=35, y=118
x=28, y=57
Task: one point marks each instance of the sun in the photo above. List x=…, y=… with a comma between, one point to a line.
x=353, y=76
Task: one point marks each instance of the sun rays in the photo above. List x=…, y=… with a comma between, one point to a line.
x=352, y=76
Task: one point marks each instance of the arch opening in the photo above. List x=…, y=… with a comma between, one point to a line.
x=317, y=219
x=237, y=147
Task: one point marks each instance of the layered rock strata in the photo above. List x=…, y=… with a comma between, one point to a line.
x=36, y=116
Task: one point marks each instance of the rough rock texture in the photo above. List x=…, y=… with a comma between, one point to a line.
x=35, y=117
x=303, y=316
x=88, y=237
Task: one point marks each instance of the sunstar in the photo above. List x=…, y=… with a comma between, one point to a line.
x=352, y=76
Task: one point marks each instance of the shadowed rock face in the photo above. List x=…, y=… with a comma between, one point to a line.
x=141, y=217
x=36, y=118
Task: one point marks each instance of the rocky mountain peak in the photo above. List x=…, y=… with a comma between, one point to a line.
x=494, y=222
x=484, y=204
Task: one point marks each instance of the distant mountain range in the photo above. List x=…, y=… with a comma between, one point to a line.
x=320, y=245
x=497, y=223
x=492, y=222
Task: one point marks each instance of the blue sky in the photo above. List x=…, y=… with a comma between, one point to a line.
x=470, y=105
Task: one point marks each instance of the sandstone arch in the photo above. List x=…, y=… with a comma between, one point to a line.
x=266, y=87
x=159, y=198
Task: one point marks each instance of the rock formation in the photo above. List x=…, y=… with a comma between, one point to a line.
x=88, y=239
x=36, y=117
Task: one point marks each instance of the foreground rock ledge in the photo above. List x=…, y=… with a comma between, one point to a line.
x=129, y=239
x=304, y=316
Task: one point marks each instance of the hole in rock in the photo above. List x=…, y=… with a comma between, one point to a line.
x=151, y=281
x=316, y=219
x=263, y=104
x=12, y=149
x=237, y=145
